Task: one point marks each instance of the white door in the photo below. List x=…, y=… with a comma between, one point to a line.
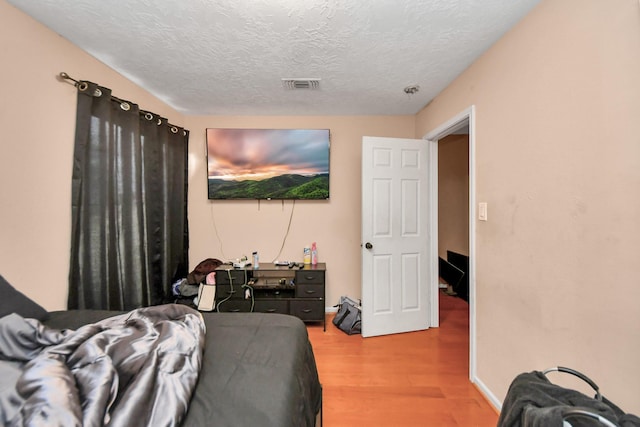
x=396, y=259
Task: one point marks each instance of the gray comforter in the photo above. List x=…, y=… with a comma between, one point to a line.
x=138, y=368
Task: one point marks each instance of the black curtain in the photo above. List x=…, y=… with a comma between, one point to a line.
x=129, y=230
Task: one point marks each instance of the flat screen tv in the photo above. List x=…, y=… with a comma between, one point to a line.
x=268, y=164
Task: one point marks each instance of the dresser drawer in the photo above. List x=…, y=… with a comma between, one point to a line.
x=234, y=306
x=234, y=276
x=271, y=306
x=309, y=291
x=309, y=276
x=311, y=310
x=228, y=291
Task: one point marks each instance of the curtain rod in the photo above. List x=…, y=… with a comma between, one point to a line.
x=83, y=85
x=76, y=83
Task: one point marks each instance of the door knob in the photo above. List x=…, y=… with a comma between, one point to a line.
x=368, y=245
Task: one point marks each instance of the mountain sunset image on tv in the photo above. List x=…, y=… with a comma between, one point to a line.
x=268, y=163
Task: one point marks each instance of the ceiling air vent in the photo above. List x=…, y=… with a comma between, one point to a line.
x=301, y=83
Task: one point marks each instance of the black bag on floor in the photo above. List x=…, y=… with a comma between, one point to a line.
x=533, y=401
x=348, y=317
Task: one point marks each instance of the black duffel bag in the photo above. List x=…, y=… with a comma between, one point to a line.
x=348, y=317
x=534, y=401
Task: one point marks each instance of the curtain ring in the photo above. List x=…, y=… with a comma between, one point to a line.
x=159, y=122
x=125, y=106
x=148, y=116
x=174, y=129
x=97, y=92
x=82, y=86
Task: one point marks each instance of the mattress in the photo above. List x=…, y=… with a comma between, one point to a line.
x=258, y=370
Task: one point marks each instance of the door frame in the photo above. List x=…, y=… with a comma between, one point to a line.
x=446, y=128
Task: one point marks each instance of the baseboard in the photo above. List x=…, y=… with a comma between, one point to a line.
x=331, y=309
x=491, y=398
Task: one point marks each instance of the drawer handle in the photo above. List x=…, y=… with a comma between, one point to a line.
x=309, y=277
x=307, y=310
x=271, y=310
x=235, y=310
x=309, y=292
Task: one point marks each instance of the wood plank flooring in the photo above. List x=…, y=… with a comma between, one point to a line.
x=412, y=379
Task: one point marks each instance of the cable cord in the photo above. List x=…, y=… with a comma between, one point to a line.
x=284, y=240
x=246, y=285
x=253, y=302
x=215, y=229
x=230, y=291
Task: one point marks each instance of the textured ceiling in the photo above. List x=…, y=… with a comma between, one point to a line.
x=227, y=57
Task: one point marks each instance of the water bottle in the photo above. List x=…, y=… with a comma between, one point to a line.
x=314, y=254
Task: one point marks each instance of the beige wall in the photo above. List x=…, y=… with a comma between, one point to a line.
x=558, y=161
x=245, y=226
x=453, y=195
x=38, y=118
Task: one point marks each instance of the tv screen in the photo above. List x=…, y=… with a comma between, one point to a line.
x=268, y=163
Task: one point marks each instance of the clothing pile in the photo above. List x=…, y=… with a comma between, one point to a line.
x=188, y=286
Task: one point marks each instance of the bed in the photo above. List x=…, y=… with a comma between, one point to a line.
x=256, y=368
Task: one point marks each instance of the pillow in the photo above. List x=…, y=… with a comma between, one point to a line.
x=14, y=301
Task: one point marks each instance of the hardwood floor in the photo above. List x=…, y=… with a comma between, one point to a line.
x=412, y=379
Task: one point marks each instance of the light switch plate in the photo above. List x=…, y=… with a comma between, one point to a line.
x=482, y=211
